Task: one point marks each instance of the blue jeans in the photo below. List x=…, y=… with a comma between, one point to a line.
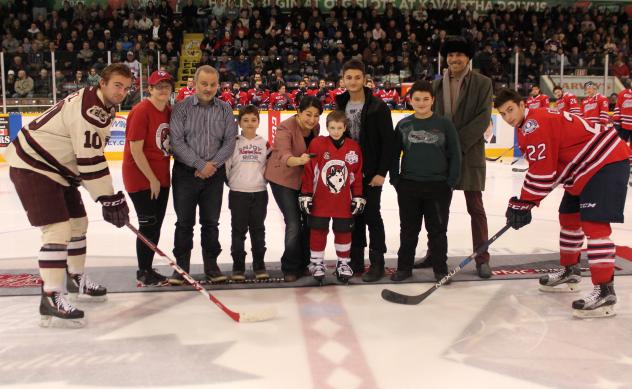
x=295, y=258
x=189, y=192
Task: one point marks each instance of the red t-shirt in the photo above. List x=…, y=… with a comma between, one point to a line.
x=145, y=122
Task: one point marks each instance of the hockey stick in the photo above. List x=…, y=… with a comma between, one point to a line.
x=501, y=155
x=517, y=159
x=519, y=169
x=398, y=298
x=262, y=315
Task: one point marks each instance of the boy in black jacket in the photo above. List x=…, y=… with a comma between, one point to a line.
x=371, y=125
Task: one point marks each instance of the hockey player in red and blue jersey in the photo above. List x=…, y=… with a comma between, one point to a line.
x=332, y=188
x=592, y=165
x=566, y=101
x=623, y=119
x=537, y=99
x=595, y=106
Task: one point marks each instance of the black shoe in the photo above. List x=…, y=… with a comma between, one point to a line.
x=290, y=277
x=401, y=275
x=483, y=270
x=176, y=279
x=150, y=277
x=423, y=263
x=439, y=276
x=213, y=274
x=238, y=276
x=374, y=274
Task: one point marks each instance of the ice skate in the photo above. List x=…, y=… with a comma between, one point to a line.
x=563, y=281
x=56, y=311
x=599, y=303
x=81, y=288
x=318, y=271
x=343, y=272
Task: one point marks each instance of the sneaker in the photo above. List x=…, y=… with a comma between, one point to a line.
x=56, y=311
x=564, y=280
x=213, y=273
x=599, y=303
x=81, y=288
x=261, y=274
x=401, y=275
x=238, y=276
x=150, y=277
x=176, y=279
x=483, y=270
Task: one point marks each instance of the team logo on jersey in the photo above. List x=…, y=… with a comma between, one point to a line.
x=626, y=104
x=98, y=114
x=530, y=126
x=326, y=156
x=334, y=175
x=162, y=139
x=351, y=157
x=590, y=106
x=423, y=137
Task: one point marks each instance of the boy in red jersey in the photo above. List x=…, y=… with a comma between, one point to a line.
x=332, y=188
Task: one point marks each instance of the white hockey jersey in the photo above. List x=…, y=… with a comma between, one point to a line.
x=66, y=143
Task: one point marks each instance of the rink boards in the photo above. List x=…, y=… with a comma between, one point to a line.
x=499, y=135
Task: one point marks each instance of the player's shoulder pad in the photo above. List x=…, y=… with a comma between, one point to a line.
x=93, y=110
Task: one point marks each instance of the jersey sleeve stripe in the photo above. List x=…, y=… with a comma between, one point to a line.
x=95, y=175
x=46, y=156
x=24, y=156
x=90, y=161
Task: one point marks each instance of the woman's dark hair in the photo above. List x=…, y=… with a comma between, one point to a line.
x=310, y=101
x=422, y=86
x=505, y=95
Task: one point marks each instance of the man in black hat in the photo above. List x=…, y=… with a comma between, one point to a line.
x=464, y=97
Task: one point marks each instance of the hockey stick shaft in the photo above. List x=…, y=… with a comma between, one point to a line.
x=398, y=298
x=501, y=155
x=236, y=316
x=517, y=159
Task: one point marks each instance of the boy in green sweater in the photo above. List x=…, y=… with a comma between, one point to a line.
x=428, y=146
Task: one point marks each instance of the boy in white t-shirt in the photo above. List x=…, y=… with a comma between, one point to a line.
x=248, y=196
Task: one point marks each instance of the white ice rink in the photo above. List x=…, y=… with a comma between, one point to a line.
x=483, y=334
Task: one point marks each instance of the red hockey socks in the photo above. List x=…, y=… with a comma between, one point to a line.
x=571, y=238
x=601, y=251
x=342, y=241
x=317, y=243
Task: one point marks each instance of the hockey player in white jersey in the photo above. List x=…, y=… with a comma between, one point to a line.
x=49, y=158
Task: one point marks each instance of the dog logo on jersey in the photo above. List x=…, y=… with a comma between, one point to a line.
x=351, y=157
x=530, y=126
x=162, y=139
x=334, y=175
x=98, y=114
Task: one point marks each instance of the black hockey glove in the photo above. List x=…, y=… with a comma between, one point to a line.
x=518, y=212
x=115, y=209
x=305, y=202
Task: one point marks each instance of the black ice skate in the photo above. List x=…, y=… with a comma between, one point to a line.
x=343, y=272
x=565, y=280
x=318, y=271
x=81, y=288
x=599, y=303
x=56, y=311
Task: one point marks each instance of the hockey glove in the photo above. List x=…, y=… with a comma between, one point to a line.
x=305, y=202
x=115, y=209
x=357, y=205
x=518, y=212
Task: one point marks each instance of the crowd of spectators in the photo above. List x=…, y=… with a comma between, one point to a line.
x=283, y=46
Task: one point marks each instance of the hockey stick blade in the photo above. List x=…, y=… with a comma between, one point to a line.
x=519, y=169
x=240, y=317
x=500, y=156
x=399, y=298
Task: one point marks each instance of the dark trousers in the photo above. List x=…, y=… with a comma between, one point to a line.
x=474, y=202
x=151, y=213
x=189, y=193
x=371, y=218
x=417, y=200
x=295, y=258
x=248, y=213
